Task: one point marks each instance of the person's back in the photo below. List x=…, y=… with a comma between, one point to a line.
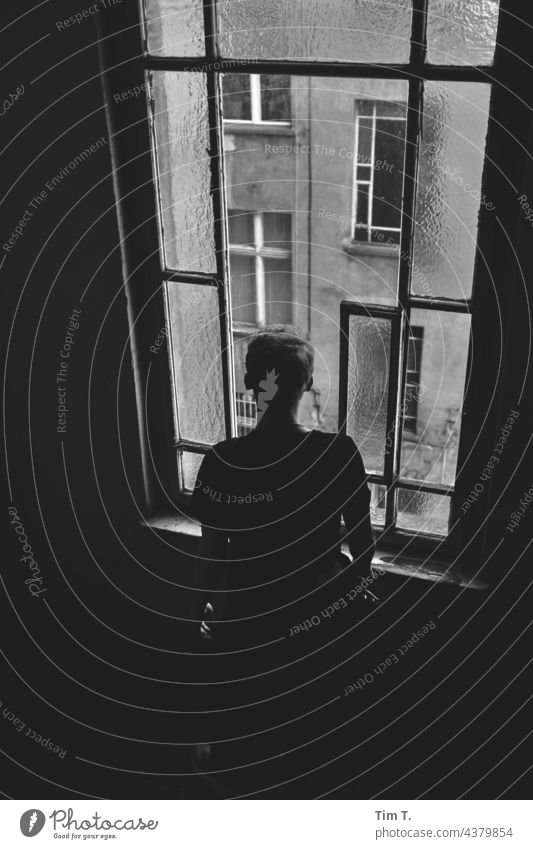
x=276, y=497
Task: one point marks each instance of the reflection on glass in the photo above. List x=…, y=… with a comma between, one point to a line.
x=449, y=194
x=436, y=383
x=462, y=33
x=423, y=512
x=369, y=344
x=196, y=352
x=182, y=152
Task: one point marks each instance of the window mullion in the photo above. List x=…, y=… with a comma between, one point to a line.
x=255, y=97
x=371, y=187
x=214, y=96
x=260, y=295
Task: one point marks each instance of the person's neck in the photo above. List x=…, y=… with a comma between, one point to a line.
x=279, y=421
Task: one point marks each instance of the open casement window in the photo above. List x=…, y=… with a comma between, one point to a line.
x=339, y=153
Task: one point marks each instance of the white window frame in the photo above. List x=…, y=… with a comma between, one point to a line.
x=260, y=253
x=374, y=116
x=255, y=106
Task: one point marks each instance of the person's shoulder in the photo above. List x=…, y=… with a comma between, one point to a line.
x=228, y=448
x=340, y=441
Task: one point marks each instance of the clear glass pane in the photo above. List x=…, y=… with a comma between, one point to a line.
x=389, y=147
x=305, y=189
x=462, y=33
x=275, y=97
x=241, y=227
x=197, y=359
x=175, y=27
x=182, y=151
x=449, y=195
x=243, y=297
x=278, y=286
x=424, y=512
x=236, y=102
x=277, y=230
x=190, y=466
x=430, y=444
x=350, y=30
x=369, y=344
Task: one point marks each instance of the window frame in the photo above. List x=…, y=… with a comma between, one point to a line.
x=256, y=108
x=144, y=277
x=259, y=253
x=356, y=222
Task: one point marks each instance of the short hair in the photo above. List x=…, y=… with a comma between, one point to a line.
x=283, y=348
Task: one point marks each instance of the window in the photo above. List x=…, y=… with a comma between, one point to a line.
x=260, y=267
x=259, y=98
x=378, y=171
x=240, y=215
x=246, y=412
x=412, y=379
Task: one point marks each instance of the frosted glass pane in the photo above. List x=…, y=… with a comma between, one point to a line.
x=430, y=453
x=182, y=150
x=349, y=30
x=462, y=33
x=175, y=27
x=377, y=503
x=449, y=188
x=196, y=352
x=190, y=466
x=369, y=344
x=423, y=511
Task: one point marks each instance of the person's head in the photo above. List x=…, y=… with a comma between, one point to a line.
x=281, y=348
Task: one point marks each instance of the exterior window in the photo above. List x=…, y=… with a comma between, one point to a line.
x=257, y=98
x=260, y=267
x=412, y=380
x=251, y=220
x=246, y=412
x=378, y=171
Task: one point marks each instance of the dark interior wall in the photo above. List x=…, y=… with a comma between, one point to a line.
x=106, y=633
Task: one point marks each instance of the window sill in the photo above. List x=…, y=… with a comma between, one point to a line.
x=243, y=127
x=425, y=569
x=353, y=247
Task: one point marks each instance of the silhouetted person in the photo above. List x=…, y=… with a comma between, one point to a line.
x=270, y=504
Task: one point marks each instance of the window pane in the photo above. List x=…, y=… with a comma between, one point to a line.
x=424, y=512
x=190, y=465
x=175, y=27
x=278, y=291
x=303, y=186
x=463, y=32
x=182, y=151
x=275, y=97
x=449, y=188
x=241, y=227
x=351, y=30
x=431, y=453
x=236, y=101
x=377, y=503
x=364, y=137
x=277, y=230
x=388, y=173
x=369, y=343
x=196, y=351
x=243, y=298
